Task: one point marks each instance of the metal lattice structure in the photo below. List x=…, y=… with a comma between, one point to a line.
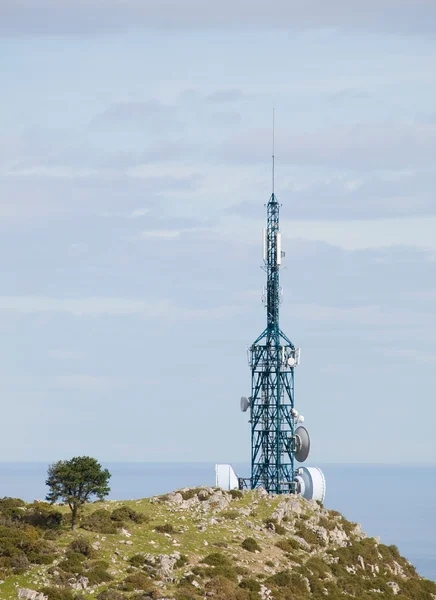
x=272, y=359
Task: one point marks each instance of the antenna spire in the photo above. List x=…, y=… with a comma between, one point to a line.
x=273, y=142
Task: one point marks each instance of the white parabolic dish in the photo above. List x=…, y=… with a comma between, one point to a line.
x=312, y=483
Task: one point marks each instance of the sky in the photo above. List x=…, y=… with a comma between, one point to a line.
x=135, y=164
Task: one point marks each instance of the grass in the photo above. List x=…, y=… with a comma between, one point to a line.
x=221, y=556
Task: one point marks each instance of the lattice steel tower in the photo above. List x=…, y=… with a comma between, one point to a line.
x=272, y=359
x=277, y=437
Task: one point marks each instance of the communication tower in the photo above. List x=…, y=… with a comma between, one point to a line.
x=278, y=440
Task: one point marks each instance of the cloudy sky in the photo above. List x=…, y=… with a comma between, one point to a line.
x=135, y=143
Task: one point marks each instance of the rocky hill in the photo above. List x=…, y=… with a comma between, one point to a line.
x=198, y=543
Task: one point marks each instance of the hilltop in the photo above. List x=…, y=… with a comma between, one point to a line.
x=198, y=543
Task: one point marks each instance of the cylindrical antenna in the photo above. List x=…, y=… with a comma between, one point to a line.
x=273, y=132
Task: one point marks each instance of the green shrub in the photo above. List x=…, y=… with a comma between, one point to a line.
x=83, y=546
x=366, y=548
x=251, y=545
x=11, y=508
x=20, y=563
x=98, y=574
x=307, y=534
x=280, y=530
x=188, y=494
x=236, y=494
x=327, y=523
x=348, y=526
x=110, y=594
x=137, y=560
x=53, y=593
x=181, y=562
x=100, y=521
x=42, y=514
x=125, y=513
x=230, y=514
x=165, y=528
x=288, y=545
x=216, y=559
x=281, y=579
x=250, y=584
x=137, y=581
x=317, y=566
x=291, y=581
x=52, y=534
x=73, y=563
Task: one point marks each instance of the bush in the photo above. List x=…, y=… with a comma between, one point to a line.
x=137, y=560
x=125, y=513
x=236, y=494
x=100, y=521
x=20, y=563
x=250, y=584
x=166, y=528
x=110, y=594
x=11, y=508
x=288, y=545
x=307, y=534
x=216, y=559
x=98, y=574
x=230, y=514
x=280, y=530
x=53, y=593
x=251, y=545
x=25, y=539
x=181, y=562
x=42, y=514
x=317, y=566
x=188, y=494
x=285, y=579
x=73, y=563
x=83, y=546
x=348, y=526
x=327, y=523
x=137, y=581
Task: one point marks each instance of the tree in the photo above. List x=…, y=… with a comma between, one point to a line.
x=75, y=482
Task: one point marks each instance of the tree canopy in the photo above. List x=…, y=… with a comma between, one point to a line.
x=76, y=482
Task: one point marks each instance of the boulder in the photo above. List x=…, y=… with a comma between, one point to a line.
x=27, y=594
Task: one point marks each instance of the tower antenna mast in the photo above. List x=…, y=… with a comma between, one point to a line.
x=273, y=144
x=277, y=437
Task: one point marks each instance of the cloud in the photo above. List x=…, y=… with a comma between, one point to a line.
x=347, y=95
x=20, y=17
x=151, y=114
x=370, y=145
x=119, y=307
x=161, y=234
x=338, y=196
x=227, y=96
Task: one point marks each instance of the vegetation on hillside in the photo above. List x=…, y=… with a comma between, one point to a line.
x=195, y=544
x=76, y=482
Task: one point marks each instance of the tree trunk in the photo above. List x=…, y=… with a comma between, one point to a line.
x=74, y=517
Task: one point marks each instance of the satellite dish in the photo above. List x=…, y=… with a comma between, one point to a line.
x=294, y=412
x=300, y=419
x=311, y=483
x=244, y=404
x=291, y=361
x=302, y=444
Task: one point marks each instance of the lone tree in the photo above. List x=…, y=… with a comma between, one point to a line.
x=75, y=482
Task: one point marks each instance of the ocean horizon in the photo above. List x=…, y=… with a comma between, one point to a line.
x=392, y=502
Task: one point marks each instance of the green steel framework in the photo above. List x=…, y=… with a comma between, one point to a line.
x=272, y=387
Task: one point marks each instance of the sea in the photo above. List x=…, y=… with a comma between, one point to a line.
x=395, y=503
